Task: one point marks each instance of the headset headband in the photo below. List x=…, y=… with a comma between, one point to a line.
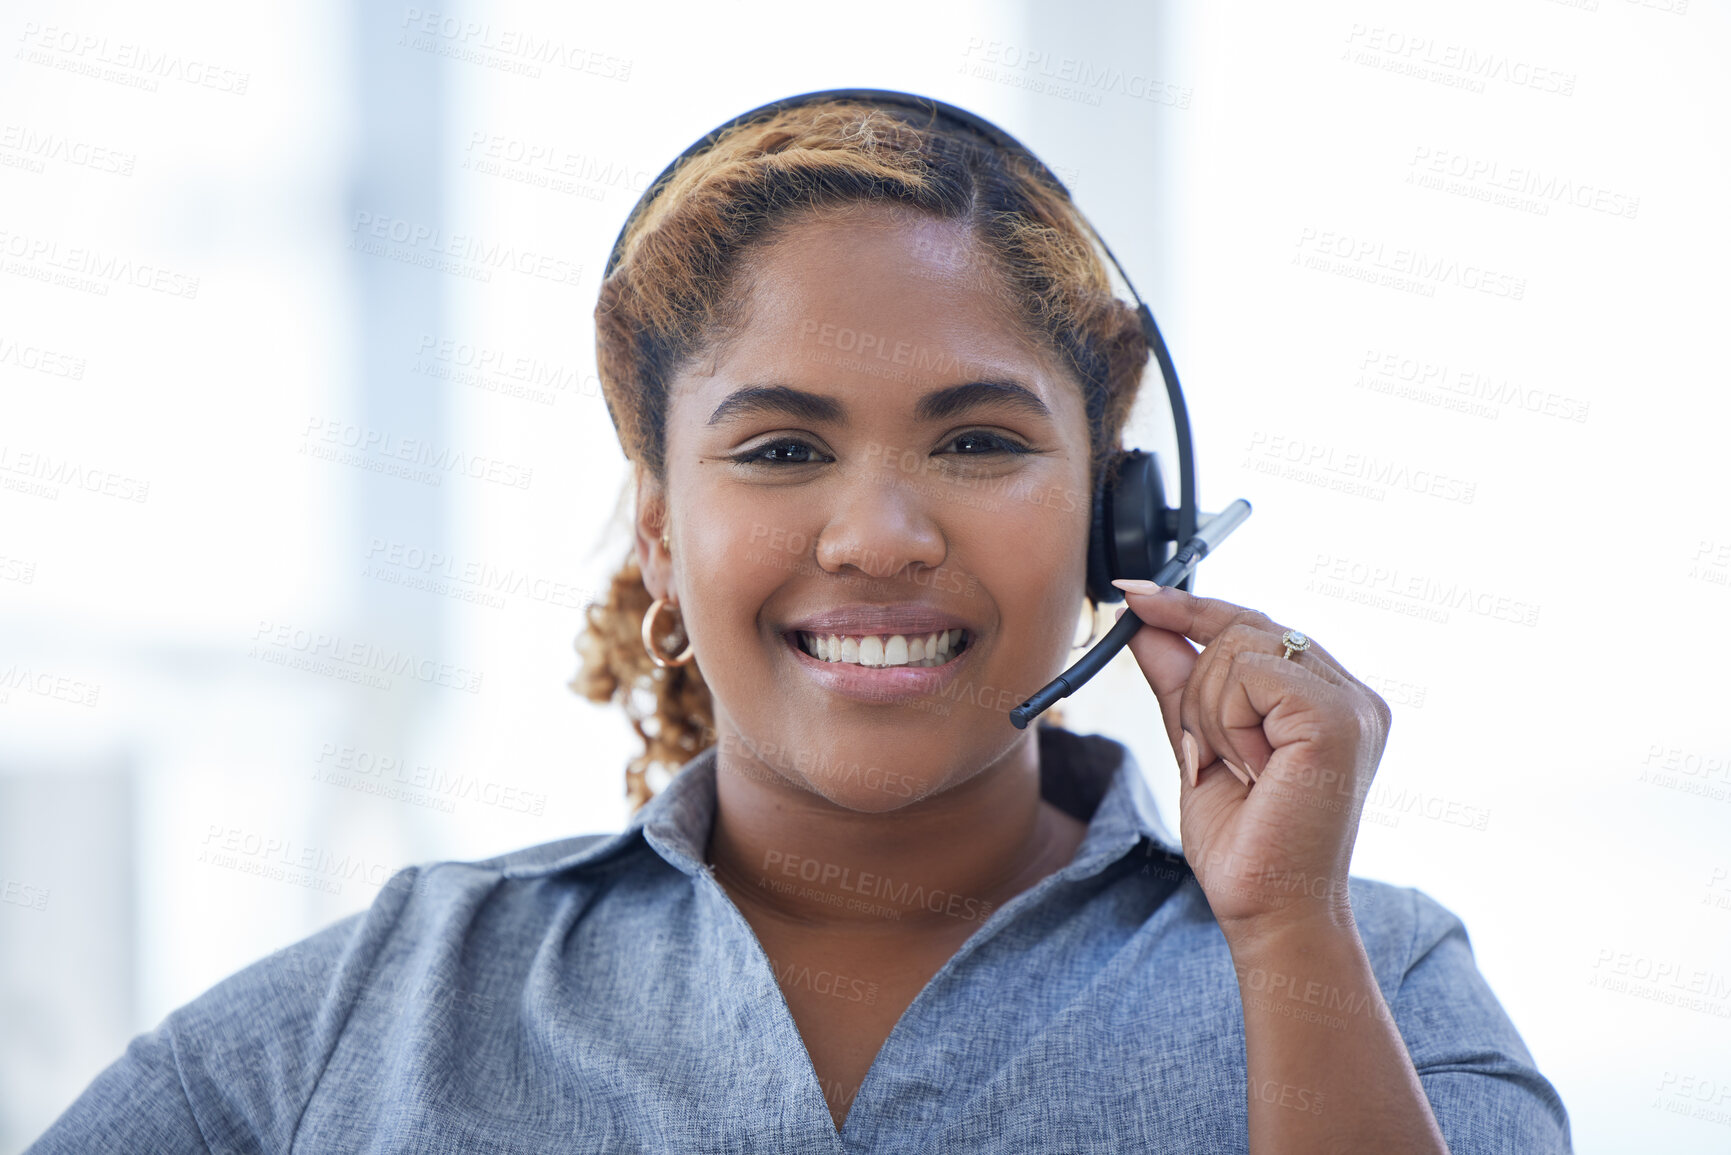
x=934, y=110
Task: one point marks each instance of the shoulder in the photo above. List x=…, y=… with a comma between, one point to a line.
x=1482, y=1081
x=235, y=1067
x=1423, y=959
x=1398, y=925
x=428, y=907
x=230, y=1069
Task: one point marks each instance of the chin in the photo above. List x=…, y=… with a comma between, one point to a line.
x=867, y=789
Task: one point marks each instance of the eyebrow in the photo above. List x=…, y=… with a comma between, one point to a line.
x=934, y=406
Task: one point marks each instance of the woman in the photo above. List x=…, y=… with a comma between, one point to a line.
x=867, y=374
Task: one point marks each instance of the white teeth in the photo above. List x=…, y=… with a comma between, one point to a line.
x=879, y=650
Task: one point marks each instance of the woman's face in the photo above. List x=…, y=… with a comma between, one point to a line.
x=881, y=450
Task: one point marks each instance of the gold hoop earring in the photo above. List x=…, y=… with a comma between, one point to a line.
x=1093, y=626
x=649, y=640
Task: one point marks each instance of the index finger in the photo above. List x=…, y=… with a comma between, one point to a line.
x=1205, y=619
x=1170, y=608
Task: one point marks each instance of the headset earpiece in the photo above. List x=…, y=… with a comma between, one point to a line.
x=1133, y=531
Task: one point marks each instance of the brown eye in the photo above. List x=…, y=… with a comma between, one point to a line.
x=990, y=443
x=801, y=453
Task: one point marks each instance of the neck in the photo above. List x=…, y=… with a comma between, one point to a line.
x=940, y=864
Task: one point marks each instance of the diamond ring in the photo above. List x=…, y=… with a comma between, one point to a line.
x=1294, y=642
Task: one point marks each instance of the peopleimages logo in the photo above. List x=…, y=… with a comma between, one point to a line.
x=420, y=783
x=393, y=561
x=1485, y=176
x=1069, y=77
x=1460, y=389
x=36, y=148
x=43, y=474
x=384, y=451
x=37, y=359
x=46, y=685
x=89, y=270
x=877, y=886
x=358, y=661
x=418, y=244
x=133, y=65
x=1414, y=594
x=282, y=860
x=494, y=370
x=1456, y=65
x=551, y=166
x=1372, y=260
x=823, y=982
x=515, y=50
x=920, y=358
x=1306, y=460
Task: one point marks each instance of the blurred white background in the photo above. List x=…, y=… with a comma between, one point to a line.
x=1445, y=284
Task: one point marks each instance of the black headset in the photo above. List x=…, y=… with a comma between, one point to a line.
x=1133, y=530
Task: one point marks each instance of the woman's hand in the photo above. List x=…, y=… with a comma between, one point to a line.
x=1285, y=749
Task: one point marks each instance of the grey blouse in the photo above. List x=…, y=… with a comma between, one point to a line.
x=603, y=993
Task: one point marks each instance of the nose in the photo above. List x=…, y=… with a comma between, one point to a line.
x=880, y=527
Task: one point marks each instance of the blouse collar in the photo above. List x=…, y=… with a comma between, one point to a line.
x=1092, y=777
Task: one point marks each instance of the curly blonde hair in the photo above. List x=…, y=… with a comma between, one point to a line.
x=673, y=299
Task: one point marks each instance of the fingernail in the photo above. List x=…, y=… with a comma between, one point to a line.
x=1251, y=770
x=1237, y=771
x=1137, y=586
x=1190, y=758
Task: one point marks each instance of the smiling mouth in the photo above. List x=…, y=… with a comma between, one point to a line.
x=882, y=651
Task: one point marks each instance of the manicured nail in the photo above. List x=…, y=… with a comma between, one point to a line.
x=1190, y=758
x=1251, y=770
x=1137, y=586
x=1236, y=771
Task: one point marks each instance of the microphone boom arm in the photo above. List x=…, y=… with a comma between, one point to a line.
x=1177, y=568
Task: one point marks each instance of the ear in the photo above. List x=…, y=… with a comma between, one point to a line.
x=653, y=559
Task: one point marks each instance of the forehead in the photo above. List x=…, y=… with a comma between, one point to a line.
x=879, y=299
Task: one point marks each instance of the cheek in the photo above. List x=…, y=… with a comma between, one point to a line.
x=769, y=552
x=734, y=558
x=1040, y=580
